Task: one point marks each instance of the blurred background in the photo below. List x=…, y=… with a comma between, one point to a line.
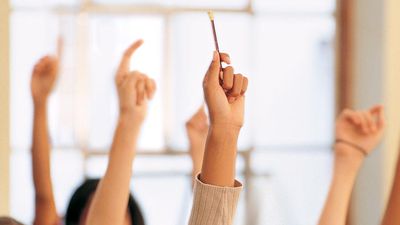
x=306, y=60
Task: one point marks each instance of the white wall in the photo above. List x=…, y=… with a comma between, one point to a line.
x=377, y=72
x=4, y=110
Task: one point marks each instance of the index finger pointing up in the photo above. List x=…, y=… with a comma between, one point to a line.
x=124, y=65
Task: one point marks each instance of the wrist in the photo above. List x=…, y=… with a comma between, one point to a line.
x=227, y=128
x=130, y=115
x=40, y=102
x=226, y=122
x=224, y=133
x=197, y=144
x=130, y=120
x=347, y=155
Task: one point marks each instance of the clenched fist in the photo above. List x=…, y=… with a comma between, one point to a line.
x=225, y=99
x=44, y=76
x=363, y=129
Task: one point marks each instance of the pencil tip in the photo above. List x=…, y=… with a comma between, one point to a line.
x=211, y=15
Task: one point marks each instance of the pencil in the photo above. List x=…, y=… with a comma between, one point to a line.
x=211, y=15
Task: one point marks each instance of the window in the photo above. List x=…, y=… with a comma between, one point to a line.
x=286, y=48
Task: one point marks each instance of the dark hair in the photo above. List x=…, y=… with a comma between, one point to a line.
x=81, y=197
x=8, y=221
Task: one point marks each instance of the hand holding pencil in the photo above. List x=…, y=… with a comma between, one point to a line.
x=225, y=102
x=227, y=78
x=224, y=96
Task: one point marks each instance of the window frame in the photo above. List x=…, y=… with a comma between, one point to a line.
x=5, y=107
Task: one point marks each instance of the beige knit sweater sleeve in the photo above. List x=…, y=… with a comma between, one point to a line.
x=213, y=205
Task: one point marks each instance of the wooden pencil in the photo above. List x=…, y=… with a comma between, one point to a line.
x=211, y=15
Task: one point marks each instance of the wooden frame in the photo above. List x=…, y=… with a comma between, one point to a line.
x=4, y=106
x=345, y=54
x=345, y=59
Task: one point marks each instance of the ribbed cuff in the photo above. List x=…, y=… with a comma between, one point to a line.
x=214, y=205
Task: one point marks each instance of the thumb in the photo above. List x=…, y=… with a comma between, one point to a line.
x=214, y=69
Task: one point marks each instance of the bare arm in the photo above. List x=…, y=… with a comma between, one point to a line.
x=110, y=202
x=197, y=129
x=392, y=215
x=43, y=79
x=226, y=108
x=363, y=129
x=219, y=161
x=45, y=208
x=345, y=173
x=111, y=198
x=216, y=193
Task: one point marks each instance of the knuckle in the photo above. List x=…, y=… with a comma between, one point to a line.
x=135, y=72
x=235, y=94
x=224, y=54
x=227, y=85
x=228, y=69
x=239, y=76
x=347, y=111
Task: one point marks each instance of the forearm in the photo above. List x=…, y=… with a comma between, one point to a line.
x=220, y=156
x=45, y=208
x=41, y=153
x=392, y=215
x=336, y=206
x=197, y=160
x=111, y=198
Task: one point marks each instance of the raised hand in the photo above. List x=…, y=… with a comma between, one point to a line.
x=44, y=75
x=43, y=79
x=361, y=128
x=197, y=129
x=134, y=88
x=225, y=102
x=224, y=94
x=357, y=134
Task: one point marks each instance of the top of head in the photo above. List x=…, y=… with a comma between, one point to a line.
x=211, y=15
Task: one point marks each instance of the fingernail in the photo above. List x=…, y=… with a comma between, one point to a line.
x=215, y=56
